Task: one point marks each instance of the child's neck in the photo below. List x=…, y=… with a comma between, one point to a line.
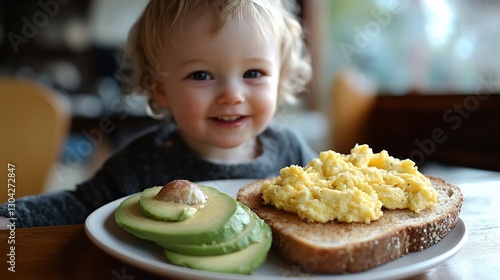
x=240, y=154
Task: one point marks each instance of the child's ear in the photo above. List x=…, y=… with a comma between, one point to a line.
x=159, y=95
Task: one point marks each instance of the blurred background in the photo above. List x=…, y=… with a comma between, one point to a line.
x=418, y=78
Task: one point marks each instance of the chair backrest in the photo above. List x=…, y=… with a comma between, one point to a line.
x=451, y=128
x=352, y=98
x=34, y=123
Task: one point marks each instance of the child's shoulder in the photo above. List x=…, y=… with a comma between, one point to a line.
x=156, y=133
x=280, y=135
x=279, y=139
x=279, y=131
x=148, y=140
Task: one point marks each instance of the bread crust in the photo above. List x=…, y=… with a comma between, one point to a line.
x=338, y=247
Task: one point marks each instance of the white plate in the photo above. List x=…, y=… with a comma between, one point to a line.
x=101, y=228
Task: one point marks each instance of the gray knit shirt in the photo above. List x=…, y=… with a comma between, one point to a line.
x=155, y=157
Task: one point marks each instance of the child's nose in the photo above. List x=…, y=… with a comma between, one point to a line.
x=230, y=93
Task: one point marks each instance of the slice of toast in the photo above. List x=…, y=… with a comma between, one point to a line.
x=338, y=247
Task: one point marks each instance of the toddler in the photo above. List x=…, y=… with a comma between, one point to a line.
x=216, y=71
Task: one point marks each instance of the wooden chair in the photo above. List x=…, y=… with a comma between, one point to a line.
x=450, y=128
x=34, y=123
x=352, y=99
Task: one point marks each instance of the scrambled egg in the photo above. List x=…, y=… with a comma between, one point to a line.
x=349, y=188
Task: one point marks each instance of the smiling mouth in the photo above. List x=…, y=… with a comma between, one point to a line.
x=228, y=118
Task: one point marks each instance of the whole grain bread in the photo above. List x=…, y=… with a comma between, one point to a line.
x=338, y=247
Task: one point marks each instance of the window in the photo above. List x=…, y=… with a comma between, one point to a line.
x=430, y=46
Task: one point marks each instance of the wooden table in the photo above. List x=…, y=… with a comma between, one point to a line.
x=65, y=252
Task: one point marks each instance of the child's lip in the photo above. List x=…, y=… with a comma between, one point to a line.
x=229, y=120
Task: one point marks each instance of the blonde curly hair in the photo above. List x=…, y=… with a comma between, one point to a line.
x=161, y=22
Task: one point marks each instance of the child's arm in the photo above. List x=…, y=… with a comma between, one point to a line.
x=128, y=171
x=69, y=206
x=3, y=223
x=55, y=208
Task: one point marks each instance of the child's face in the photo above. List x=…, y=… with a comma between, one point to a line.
x=221, y=89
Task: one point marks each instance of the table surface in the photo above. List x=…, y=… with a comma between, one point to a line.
x=65, y=252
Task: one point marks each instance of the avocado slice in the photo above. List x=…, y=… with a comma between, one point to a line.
x=250, y=235
x=164, y=210
x=241, y=262
x=222, y=218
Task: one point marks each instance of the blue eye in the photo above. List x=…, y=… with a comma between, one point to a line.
x=252, y=74
x=200, y=76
